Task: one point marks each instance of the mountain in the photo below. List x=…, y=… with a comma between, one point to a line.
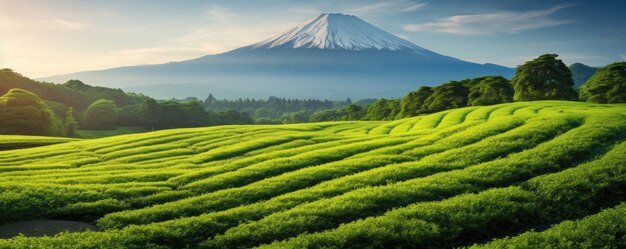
x=581, y=73
x=332, y=56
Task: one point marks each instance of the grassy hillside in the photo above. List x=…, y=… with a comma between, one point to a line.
x=460, y=177
x=10, y=142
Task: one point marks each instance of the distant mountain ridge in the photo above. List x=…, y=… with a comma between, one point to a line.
x=581, y=73
x=332, y=56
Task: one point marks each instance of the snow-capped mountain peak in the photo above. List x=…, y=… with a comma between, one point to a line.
x=338, y=31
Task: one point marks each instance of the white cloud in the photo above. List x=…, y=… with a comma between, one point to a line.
x=623, y=56
x=58, y=23
x=219, y=14
x=388, y=7
x=7, y=23
x=491, y=23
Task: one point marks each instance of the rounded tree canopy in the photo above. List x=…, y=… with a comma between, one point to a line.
x=491, y=90
x=544, y=78
x=383, y=109
x=23, y=112
x=447, y=96
x=607, y=85
x=101, y=115
x=411, y=104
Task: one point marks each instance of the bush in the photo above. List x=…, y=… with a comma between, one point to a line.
x=23, y=112
x=447, y=96
x=101, y=115
x=607, y=85
x=490, y=91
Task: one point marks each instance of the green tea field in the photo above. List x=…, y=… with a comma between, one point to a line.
x=545, y=174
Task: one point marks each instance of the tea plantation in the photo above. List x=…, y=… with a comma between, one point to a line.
x=545, y=174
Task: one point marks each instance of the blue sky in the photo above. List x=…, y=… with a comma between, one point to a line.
x=42, y=38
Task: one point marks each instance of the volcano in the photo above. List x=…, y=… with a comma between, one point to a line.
x=332, y=56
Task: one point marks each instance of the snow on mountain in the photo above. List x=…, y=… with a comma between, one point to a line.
x=338, y=31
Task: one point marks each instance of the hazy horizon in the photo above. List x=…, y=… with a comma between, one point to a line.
x=41, y=38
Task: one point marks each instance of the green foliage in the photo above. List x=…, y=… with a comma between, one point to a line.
x=88, y=134
x=70, y=123
x=135, y=110
x=603, y=230
x=22, y=112
x=101, y=115
x=444, y=180
x=607, y=85
x=73, y=93
x=329, y=115
x=150, y=112
x=11, y=142
x=383, y=109
x=411, y=104
x=545, y=77
x=447, y=96
x=490, y=91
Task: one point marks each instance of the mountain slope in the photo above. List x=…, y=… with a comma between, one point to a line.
x=331, y=56
x=336, y=31
x=448, y=179
x=581, y=73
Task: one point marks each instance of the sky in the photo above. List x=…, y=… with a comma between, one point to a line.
x=41, y=38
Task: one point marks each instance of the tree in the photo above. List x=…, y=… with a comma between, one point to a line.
x=149, y=113
x=23, y=112
x=412, y=103
x=607, y=85
x=327, y=115
x=101, y=115
x=544, y=78
x=383, y=109
x=447, y=96
x=264, y=113
x=70, y=123
x=355, y=112
x=490, y=90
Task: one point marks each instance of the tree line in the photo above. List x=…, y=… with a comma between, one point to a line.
x=39, y=108
x=30, y=107
x=544, y=78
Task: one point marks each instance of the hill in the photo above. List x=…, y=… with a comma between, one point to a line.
x=72, y=93
x=333, y=56
x=452, y=178
x=133, y=110
x=581, y=73
x=607, y=85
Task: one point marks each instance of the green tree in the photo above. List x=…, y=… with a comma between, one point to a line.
x=327, y=115
x=70, y=123
x=383, y=109
x=264, y=113
x=149, y=112
x=355, y=112
x=101, y=115
x=491, y=90
x=544, y=78
x=23, y=112
x=412, y=103
x=607, y=85
x=447, y=96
